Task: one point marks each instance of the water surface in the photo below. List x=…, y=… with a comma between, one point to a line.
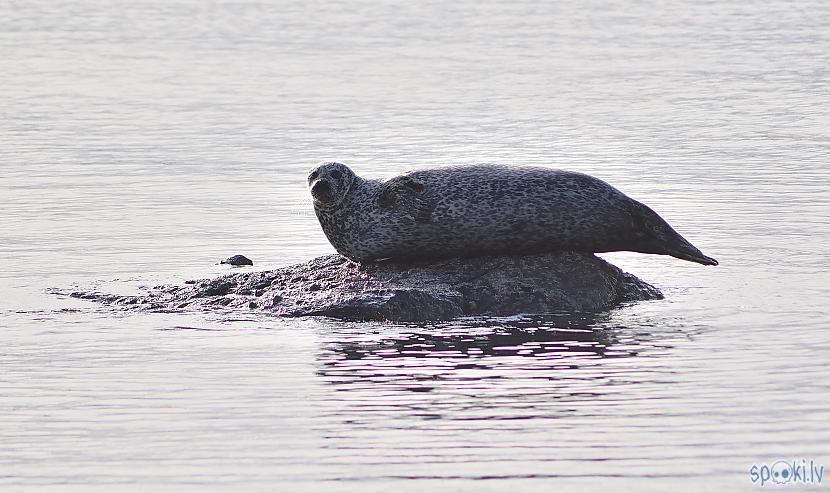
x=141, y=142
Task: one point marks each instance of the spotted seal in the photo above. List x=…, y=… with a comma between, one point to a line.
x=466, y=211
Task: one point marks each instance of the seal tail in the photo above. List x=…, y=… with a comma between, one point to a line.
x=664, y=240
x=690, y=253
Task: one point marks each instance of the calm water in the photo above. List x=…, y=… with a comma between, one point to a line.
x=141, y=142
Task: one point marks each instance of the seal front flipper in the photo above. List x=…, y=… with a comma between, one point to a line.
x=408, y=196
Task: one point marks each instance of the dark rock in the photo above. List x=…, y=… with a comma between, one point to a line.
x=237, y=261
x=333, y=286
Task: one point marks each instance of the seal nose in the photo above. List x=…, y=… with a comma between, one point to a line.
x=321, y=191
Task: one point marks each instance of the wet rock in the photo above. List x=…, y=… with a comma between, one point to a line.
x=333, y=286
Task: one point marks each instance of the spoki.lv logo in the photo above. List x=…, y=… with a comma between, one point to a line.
x=783, y=472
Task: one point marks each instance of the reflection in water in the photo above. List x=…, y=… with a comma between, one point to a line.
x=542, y=336
x=495, y=400
x=483, y=365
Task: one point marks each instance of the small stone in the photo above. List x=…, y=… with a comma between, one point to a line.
x=237, y=261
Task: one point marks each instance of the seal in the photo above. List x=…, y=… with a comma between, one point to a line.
x=476, y=210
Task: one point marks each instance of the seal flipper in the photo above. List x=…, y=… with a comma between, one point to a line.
x=688, y=252
x=406, y=195
x=660, y=238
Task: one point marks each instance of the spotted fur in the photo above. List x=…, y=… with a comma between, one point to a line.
x=463, y=211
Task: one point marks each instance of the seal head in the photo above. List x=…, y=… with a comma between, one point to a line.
x=329, y=182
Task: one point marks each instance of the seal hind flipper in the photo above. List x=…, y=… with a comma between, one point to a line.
x=656, y=236
x=691, y=254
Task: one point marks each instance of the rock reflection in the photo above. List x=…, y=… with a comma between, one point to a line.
x=483, y=371
x=407, y=356
x=516, y=339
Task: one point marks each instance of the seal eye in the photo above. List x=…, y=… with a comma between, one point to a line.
x=336, y=174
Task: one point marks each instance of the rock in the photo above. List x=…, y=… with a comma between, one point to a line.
x=237, y=261
x=333, y=286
